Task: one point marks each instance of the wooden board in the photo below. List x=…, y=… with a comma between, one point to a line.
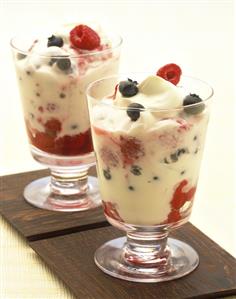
x=71, y=257
x=34, y=223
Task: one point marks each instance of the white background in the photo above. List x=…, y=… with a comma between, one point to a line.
x=197, y=35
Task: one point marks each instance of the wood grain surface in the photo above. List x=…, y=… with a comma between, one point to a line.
x=71, y=257
x=34, y=223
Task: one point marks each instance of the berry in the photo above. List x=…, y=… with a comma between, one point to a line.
x=52, y=127
x=131, y=149
x=174, y=216
x=56, y=41
x=133, y=111
x=84, y=37
x=52, y=61
x=170, y=72
x=107, y=174
x=136, y=170
x=180, y=197
x=64, y=64
x=190, y=100
x=128, y=88
x=131, y=188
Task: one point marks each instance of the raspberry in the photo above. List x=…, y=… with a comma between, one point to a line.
x=180, y=197
x=173, y=216
x=84, y=37
x=74, y=145
x=131, y=149
x=52, y=126
x=170, y=72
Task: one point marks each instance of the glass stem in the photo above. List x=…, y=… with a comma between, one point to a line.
x=69, y=183
x=148, y=250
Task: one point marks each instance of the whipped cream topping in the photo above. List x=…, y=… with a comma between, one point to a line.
x=154, y=92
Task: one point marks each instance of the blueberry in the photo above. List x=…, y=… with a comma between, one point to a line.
x=64, y=64
x=62, y=95
x=20, y=56
x=107, y=174
x=155, y=178
x=52, y=61
x=181, y=151
x=131, y=188
x=128, y=88
x=190, y=100
x=74, y=127
x=55, y=41
x=133, y=111
x=174, y=157
x=136, y=170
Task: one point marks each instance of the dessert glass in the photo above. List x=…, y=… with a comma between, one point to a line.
x=148, y=178
x=52, y=89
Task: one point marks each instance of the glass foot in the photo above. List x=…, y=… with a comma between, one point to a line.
x=110, y=259
x=39, y=194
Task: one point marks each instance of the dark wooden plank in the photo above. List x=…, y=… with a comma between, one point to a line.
x=71, y=257
x=34, y=223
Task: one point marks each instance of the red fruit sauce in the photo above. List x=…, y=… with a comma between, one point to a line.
x=48, y=141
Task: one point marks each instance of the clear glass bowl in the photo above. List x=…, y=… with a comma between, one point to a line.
x=52, y=89
x=148, y=172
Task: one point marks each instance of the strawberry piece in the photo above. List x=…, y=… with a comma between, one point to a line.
x=170, y=72
x=131, y=149
x=110, y=211
x=84, y=37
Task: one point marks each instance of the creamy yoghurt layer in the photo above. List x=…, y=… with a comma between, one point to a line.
x=148, y=162
x=53, y=76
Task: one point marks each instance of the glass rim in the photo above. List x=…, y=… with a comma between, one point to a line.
x=79, y=55
x=152, y=109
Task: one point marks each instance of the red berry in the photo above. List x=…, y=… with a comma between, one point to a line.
x=170, y=72
x=84, y=37
x=173, y=216
x=74, y=145
x=52, y=126
x=180, y=197
x=131, y=149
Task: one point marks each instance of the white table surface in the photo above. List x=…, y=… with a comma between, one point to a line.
x=197, y=35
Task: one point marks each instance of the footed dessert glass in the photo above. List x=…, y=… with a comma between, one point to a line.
x=148, y=173
x=52, y=88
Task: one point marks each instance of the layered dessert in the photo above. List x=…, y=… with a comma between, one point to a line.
x=53, y=73
x=148, y=138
